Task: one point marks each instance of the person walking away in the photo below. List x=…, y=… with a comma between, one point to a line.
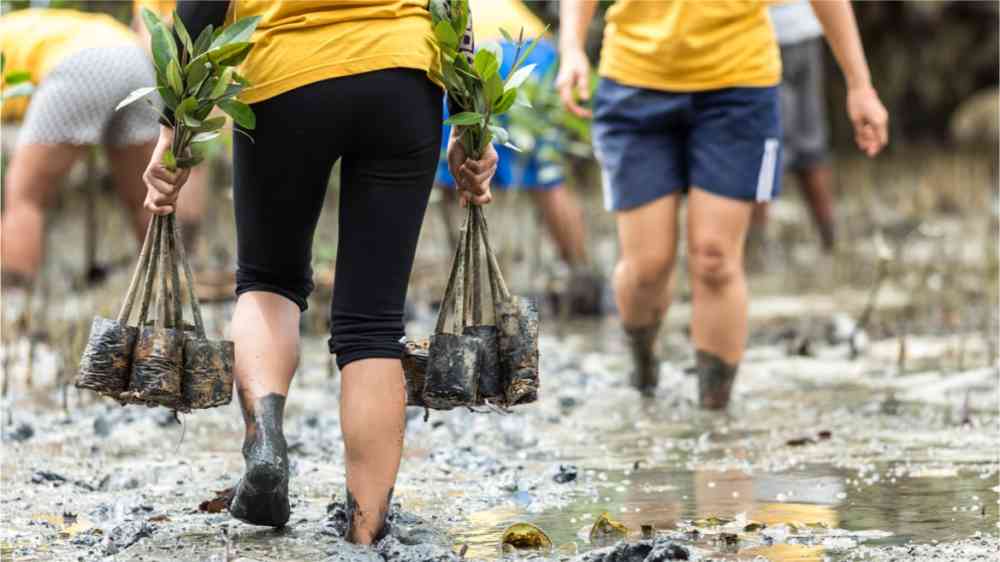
x=805, y=138
x=688, y=103
x=328, y=81
x=544, y=180
x=191, y=206
x=83, y=65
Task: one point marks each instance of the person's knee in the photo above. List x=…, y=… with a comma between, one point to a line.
x=714, y=264
x=293, y=285
x=649, y=271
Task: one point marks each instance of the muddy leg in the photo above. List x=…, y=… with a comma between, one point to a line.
x=372, y=418
x=717, y=227
x=648, y=237
x=266, y=335
x=815, y=184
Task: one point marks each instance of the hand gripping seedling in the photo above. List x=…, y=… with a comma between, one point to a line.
x=167, y=362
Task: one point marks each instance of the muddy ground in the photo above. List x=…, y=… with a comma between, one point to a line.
x=880, y=443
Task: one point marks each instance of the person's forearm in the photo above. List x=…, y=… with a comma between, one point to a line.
x=574, y=20
x=841, y=31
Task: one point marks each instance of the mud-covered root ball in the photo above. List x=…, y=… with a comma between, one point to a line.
x=107, y=359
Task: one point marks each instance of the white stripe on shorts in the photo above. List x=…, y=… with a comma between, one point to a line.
x=768, y=168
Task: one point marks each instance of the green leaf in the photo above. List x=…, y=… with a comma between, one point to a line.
x=174, y=77
x=522, y=98
x=208, y=125
x=237, y=32
x=150, y=19
x=506, y=35
x=231, y=54
x=188, y=105
x=3, y=62
x=519, y=77
x=190, y=161
x=493, y=89
x=505, y=102
x=135, y=96
x=203, y=41
x=182, y=32
x=197, y=74
x=206, y=88
x=512, y=146
x=205, y=136
x=494, y=48
x=164, y=47
x=220, y=85
x=170, y=99
x=485, y=63
x=240, y=112
x=465, y=119
x=169, y=162
x=445, y=34
x=17, y=77
x=524, y=55
x=500, y=134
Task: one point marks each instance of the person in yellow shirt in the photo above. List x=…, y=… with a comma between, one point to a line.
x=329, y=81
x=83, y=65
x=545, y=180
x=688, y=103
x=191, y=207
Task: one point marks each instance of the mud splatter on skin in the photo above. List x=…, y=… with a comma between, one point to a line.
x=645, y=373
x=715, y=380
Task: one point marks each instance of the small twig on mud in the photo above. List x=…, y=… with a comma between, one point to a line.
x=464, y=549
x=229, y=553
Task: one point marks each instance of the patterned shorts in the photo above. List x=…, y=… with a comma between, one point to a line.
x=75, y=103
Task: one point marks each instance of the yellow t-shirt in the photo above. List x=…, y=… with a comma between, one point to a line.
x=490, y=16
x=38, y=39
x=298, y=42
x=163, y=8
x=690, y=45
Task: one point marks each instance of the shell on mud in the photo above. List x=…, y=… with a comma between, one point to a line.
x=207, y=380
x=156, y=370
x=525, y=536
x=105, y=364
x=605, y=527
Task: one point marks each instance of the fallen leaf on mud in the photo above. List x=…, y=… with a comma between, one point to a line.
x=525, y=536
x=754, y=526
x=825, y=434
x=217, y=504
x=800, y=441
x=68, y=524
x=161, y=518
x=606, y=527
x=712, y=521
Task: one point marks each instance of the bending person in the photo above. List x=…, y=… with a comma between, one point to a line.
x=364, y=98
x=688, y=103
x=83, y=65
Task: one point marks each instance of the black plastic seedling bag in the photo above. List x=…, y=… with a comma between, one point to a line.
x=159, y=351
x=107, y=358
x=481, y=352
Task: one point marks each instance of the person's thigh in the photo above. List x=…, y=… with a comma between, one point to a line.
x=280, y=172
x=639, y=140
x=36, y=171
x=386, y=178
x=734, y=148
x=716, y=229
x=648, y=235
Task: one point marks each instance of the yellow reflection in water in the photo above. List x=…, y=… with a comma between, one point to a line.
x=787, y=553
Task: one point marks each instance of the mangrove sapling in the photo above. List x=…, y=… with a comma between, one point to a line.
x=455, y=360
x=195, y=79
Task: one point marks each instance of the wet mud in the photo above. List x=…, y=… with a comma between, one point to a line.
x=839, y=444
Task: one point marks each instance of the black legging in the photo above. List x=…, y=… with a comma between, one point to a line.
x=386, y=128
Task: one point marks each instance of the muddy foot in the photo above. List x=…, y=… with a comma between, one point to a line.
x=261, y=497
x=646, y=373
x=715, y=380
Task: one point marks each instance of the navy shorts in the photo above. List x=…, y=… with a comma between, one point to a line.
x=652, y=143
